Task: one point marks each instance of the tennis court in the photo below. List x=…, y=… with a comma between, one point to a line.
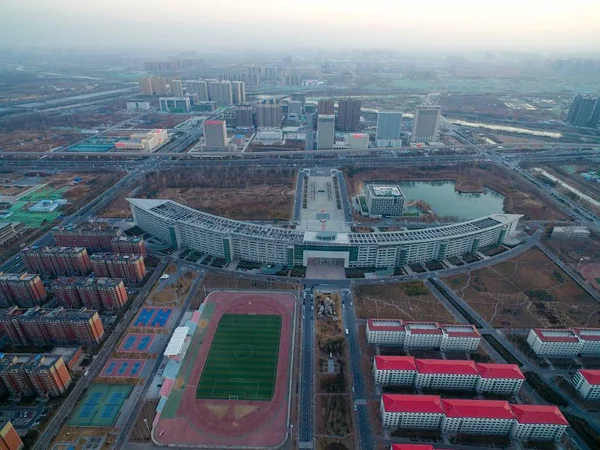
x=100, y=406
x=136, y=342
x=152, y=317
x=242, y=361
x=123, y=368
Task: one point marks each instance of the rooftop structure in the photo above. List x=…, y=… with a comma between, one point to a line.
x=565, y=342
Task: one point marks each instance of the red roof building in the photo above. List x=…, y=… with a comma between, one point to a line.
x=538, y=422
x=416, y=404
x=587, y=383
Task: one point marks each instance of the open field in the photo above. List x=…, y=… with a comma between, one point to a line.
x=528, y=291
x=243, y=358
x=519, y=198
x=409, y=301
x=243, y=193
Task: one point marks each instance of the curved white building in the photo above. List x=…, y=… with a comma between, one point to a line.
x=181, y=226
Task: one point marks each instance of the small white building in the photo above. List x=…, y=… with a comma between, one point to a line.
x=504, y=379
x=47, y=205
x=538, y=422
x=559, y=343
x=587, y=383
x=575, y=233
x=446, y=374
x=386, y=332
x=269, y=136
x=590, y=338
x=148, y=141
x=477, y=417
x=138, y=106
x=423, y=335
x=411, y=411
x=384, y=200
x=394, y=370
x=357, y=140
x=460, y=338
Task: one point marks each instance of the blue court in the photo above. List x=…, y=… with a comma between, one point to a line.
x=136, y=342
x=152, y=317
x=123, y=368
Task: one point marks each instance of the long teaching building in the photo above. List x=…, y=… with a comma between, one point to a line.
x=181, y=226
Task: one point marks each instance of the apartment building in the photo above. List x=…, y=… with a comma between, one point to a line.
x=538, y=422
x=21, y=289
x=9, y=438
x=411, y=411
x=95, y=236
x=483, y=417
x=447, y=374
x=59, y=326
x=57, y=261
x=423, y=335
x=94, y=293
x=590, y=339
x=128, y=267
x=128, y=244
x=587, y=383
x=559, y=343
x=43, y=375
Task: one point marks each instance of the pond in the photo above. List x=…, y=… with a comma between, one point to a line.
x=446, y=202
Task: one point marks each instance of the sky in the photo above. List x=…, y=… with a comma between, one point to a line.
x=522, y=25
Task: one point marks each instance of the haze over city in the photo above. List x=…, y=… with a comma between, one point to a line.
x=404, y=26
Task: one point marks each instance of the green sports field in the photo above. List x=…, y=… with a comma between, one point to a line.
x=242, y=361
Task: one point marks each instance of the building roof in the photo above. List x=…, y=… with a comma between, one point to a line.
x=484, y=409
x=449, y=367
x=591, y=376
x=395, y=363
x=511, y=371
x=385, y=325
x=175, y=345
x=428, y=404
x=541, y=414
x=556, y=335
x=457, y=330
x=588, y=334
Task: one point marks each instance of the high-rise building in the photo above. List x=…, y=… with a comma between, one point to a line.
x=384, y=200
x=238, y=89
x=295, y=108
x=348, y=118
x=325, y=132
x=95, y=293
x=146, y=86
x=325, y=107
x=293, y=79
x=128, y=244
x=57, y=326
x=24, y=290
x=176, y=88
x=268, y=114
x=57, y=261
x=243, y=116
x=95, y=236
x=254, y=78
x=198, y=88
x=584, y=111
x=215, y=133
x=44, y=375
x=130, y=268
x=388, y=129
x=9, y=438
x=299, y=98
x=153, y=85
x=220, y=92
x=425, y=124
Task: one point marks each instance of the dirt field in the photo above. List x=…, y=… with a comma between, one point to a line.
x=171, y=293
x=410, y=301
x=472, y=177
x=528, y=291
x=241, y=193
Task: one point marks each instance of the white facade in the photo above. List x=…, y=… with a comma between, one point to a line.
x=138, y=106
x=560, y=343
x=459, y=338
x=477, y=425
x=537, y=432
x=175, y=103
x=198, y=88
x=504, y=386
x=357, y=140
x=148, y=141
x=587, y=383
x=590, y=338
x=386, y=332
x=417, y=413
x=238, y=92
x=458, y=382
x=538, y=422
x=325, y=132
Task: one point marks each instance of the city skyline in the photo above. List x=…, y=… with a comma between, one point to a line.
x=465, y=24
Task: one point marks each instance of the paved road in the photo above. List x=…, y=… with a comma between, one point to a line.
x=307, y=374
x=363, y=424
x=96, y=366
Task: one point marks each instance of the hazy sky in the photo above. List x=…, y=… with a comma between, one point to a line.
x=398, y=24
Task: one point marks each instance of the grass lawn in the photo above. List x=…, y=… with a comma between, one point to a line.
x=242, y=361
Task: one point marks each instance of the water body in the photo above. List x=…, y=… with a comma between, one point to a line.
x=446, y=202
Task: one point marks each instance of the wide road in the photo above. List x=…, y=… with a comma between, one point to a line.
x=361, y=408
x=307, y=373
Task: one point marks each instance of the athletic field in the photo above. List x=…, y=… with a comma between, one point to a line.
x=242, y=362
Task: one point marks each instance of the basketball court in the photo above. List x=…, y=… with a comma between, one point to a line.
x=153, y=317
x=100, y=406
x=123, y=368
x=136, y=343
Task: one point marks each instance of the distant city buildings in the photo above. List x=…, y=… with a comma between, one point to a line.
x=423, y=335
x=294, y=108
x=220, y=92
x=293, y=79
x=175, y=104
x=95, y=236
x=384, y=200
x=584, y=111
x=325, y=131
x=176, y=88
x=325, y=107
x=243, y=116
x=477, y=417
x=238, y=89
x=57, y=326
x=564, y=342
x=388, y=129
x=93, y=293
x=130, y=268
x=22, y=289
x=153, y=85
x=348, y=118
x=197, y=89
x=57, y=261
x=425, y=124
x=268, y=114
